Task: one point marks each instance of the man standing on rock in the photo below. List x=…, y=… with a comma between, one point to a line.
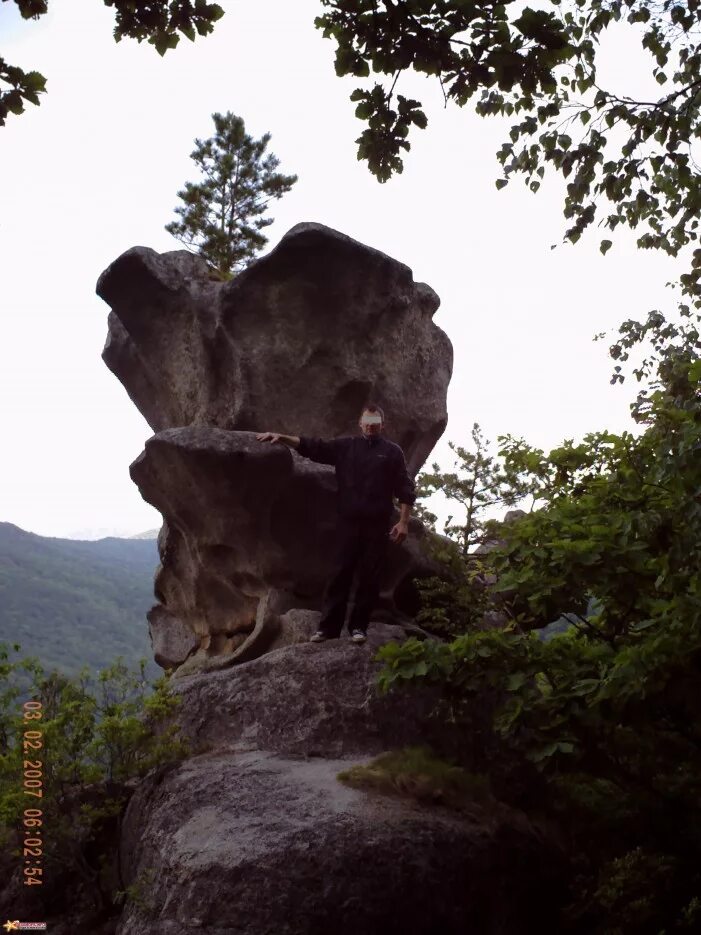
x=370, y=470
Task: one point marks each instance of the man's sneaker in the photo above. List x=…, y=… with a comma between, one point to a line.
x=357, y=636
x=318, y=637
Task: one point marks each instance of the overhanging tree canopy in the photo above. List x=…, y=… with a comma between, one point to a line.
x=628, y=161
x=159, y=21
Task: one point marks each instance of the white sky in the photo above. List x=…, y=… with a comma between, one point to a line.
x=95, y=170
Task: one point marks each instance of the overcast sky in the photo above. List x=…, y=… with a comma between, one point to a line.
x=95, y=170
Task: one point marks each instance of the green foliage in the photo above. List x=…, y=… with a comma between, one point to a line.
x=606, y=712
x=23, y=87
x=453, y=599
x=95, y=736
x=159, y=21
x=139, y=891
x=627, y=161
x=456, y=598
x=418, y=773
x=480, y=486
x=671, y=363
x=221, y=215
x=622, y=522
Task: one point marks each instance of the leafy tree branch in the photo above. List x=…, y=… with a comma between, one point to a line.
x=160, y=22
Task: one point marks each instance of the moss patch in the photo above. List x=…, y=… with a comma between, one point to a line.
x=417, y=773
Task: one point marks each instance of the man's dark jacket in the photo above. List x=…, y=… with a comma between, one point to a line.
x=370, y=470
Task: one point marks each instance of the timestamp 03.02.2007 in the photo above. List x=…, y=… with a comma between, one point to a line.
x=32, y=785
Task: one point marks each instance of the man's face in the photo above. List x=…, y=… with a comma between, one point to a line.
x=371, y=423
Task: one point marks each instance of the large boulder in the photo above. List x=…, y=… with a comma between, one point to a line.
x=255, y=843
x=256, y=834
x=250, y=535
x=306, y=699
x=297, y=343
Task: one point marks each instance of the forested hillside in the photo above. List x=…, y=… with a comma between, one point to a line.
x=70, y=602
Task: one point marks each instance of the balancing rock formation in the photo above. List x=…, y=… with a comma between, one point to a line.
x=297, y=343
x=253, y=833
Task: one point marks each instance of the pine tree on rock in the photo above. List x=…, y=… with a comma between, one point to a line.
x=221, y=217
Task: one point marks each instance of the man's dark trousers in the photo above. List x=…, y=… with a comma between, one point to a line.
x=361, y=547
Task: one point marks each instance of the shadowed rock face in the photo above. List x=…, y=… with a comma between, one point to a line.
x=297, y=343
x=250, y=534
x=260, y=843
x=258, y=835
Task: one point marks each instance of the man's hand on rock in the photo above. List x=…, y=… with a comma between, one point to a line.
x=399, y=532
x=268, y=436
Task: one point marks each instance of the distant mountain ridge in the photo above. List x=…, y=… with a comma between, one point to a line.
x=72, y=602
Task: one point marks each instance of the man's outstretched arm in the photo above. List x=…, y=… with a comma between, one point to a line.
x=291, y=440
x=316, y=449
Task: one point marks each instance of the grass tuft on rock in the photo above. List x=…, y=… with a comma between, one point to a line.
x=417, y=773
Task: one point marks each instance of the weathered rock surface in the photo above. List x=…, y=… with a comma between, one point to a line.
x=250, y=535
x=308, y=699
x=258, y=836
x=255, y=843
x=297, y=343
